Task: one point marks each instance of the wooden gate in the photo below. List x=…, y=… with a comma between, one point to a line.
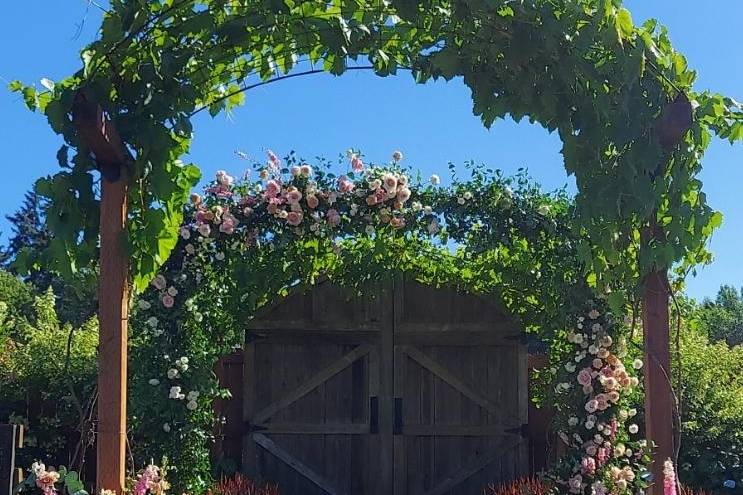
x=417, y=391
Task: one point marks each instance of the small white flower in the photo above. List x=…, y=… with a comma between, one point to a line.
x=175, y=392
x=166, y=427
x=632, y=413
x=460, y=200
x=154, y=382
x=191, y=405
x=185, y=233
x=369, y=230
x=435, y=180
x=220, y=255
x=633, y=428
x=193, y=395
x=416, y=206
x=144, y=305
x=593, y=314
x=467, y=195
x=172, y=291
x=573, y=421
x=427, y=210
x=637, y=364
x=152, y=321
x=589, y=425
x=172, y=373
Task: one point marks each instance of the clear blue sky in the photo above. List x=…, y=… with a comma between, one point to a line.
x=323, y=115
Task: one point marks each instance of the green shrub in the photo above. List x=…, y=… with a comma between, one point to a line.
x=43, y=385
x=712, y=411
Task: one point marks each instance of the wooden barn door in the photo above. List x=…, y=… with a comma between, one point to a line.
x=317, y=376
x=461, y=395
x=417, y=392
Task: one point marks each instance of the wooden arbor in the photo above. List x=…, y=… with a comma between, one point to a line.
x=112, y=158
x=417, y=391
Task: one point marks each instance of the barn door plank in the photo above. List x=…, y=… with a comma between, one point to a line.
x=249, y=453
x=311, y=384
x=471, y=467
x=295, y=463
x=443, y=373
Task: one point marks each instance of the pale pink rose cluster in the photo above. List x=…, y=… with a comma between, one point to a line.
x=298, y=202
x=167, y=292
x=45, y=480
x=602, y=377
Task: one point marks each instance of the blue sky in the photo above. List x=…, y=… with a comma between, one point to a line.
x=323, y=115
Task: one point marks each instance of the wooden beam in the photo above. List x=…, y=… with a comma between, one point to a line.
x=102, y=140
x=295, y=463
x=658, y=392
x=311, y=384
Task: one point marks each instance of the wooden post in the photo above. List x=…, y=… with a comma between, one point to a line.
x=112, y=351
x=659, y=402
x=100, y=137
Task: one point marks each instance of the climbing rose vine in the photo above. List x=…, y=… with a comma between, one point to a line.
x=297, y=204
x=607, y=453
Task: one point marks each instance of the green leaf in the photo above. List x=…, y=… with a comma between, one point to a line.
x=625, y=26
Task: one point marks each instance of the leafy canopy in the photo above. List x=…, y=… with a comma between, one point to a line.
x=580, y=68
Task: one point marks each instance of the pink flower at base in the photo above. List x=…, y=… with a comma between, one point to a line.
x=669, y=478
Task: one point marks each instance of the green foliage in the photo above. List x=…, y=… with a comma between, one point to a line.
x=712, y=410
x=721, y=319
x=76, y=298
x=42, y=385
x=580, y=68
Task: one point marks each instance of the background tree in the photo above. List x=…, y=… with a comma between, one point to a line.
x=75, y=300
x=722, y=318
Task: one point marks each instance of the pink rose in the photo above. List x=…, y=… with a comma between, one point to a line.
x=397, y=222
x=204, y=229
x=588, y=465
x=293, y=195
x=345, y=185
x=584, y=377
x=356, y=163
x=273, y=188
x=159, y=282
x=312, y=201
x=168, y=301
x=403, y=194
x=602, y=402
x=598, y=363
x=295, y=170
x=272, y=157
x=591, y=406
x=333, y=217
x=294, y=218
x=305, y=170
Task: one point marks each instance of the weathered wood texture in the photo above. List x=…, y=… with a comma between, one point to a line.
x=416, y=391
x=659, y=400
x=113, y=294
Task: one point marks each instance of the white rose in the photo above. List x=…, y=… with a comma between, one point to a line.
x=154, y=382
x=435, y=180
